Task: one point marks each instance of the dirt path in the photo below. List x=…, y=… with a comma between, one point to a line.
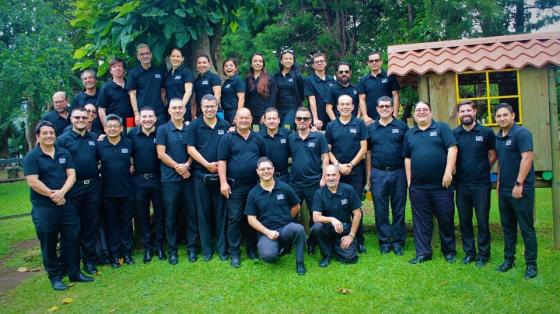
x=10, y=277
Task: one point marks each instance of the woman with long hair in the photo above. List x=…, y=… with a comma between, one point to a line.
x=179, y=83
x=289, y=83
x=233, y=90
x=261, y=88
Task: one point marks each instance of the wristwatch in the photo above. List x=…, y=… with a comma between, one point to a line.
x=517, y=183
x=352, y=234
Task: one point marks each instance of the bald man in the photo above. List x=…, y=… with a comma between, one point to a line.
x=59, y=116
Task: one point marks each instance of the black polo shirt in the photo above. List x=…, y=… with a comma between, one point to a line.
x=83, y=151
x=203, y=85
x=60, y=123
x=175, y=142
x=376, y=86
x=386, y=144
x=175, y=82
x=272, y=209
x=509, y=148
x=345, y=138
x=255, y=101
x=290, y=89
x=206, y=140
x=114, y=98
x=339, y=205
x=148, y=84
x=473, y=166
x=51, y=171
x=82, y=98
x=306, y=158
x=428, y=153
x=231, y=87
x=278, y=148
x=242, y=155
x=315, y=86
x=338, y=90
x=116, y=179
x=145, y=154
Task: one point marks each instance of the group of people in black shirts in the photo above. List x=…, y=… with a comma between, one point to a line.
x=218, y=170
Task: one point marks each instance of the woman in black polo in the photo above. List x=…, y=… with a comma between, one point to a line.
x=233, y=90
x=289, y=83
x=179, y=83
x=205, y=83
x=261, y=88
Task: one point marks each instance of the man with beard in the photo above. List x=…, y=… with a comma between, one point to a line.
x=276, y=139
x=477, y=154
x=430, y=152
x=90, y=93
x=516, y=189
x=316, y=89
x=343, y=86
x=113, y=96
x=85, y=194
x=271, y=208
x=337, y=214
x=59, y=115
x=147, y=183
x=238, y=154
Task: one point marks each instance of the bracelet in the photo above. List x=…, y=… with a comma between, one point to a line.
x=352, y=234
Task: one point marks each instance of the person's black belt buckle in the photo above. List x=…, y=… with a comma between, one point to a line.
x=388, y=169
x=213, y=179
x=86, y=182
x=147, y=176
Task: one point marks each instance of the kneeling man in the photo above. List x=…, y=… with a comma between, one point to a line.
x=336, y=214
x=270, y=209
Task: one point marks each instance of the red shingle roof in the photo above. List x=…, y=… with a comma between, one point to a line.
x=489, y=53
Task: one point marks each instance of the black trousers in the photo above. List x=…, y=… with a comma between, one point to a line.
x=329, y=242
x=292, y=234
x=52, y=221
x=307, y=194
x=177, y=197
x=467, y=198
x=119, y=220
x=427, y=203
x=86, y=201
x=515, y=212
x=357, y=179
x=211, y=212
x=237, y=222
x=145, y=193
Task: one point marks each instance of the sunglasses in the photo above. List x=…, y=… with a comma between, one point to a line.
x=303, y=118
x=344, y=72
x=384, y=106
x=80, y=117
x=373, y=60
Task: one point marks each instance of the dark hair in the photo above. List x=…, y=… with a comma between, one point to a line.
x=317, y=55
x=263, y=160
x=147, y=108
x=208, y=97
x=466, y=102
x=115, y=61
x=384, y=98
x=423, y=102
x=374, y=53
x=282, y=53
x=41, y=124
x=303, y=109
x=78, y=108
x=176, y=48
x=113, y=117
x=203, y=55
x=226, y=61
x=344, y=63
x=262, y=86
x=504, y=105
x=271, y=109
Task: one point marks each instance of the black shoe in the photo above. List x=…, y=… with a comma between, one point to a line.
x=506, y=265
x=252, y=255
x=420, y=259
x=206, y=257
x=128, y=260
x=115, y=263
x=325, y=261
x=531, y=271
x=468, y=259
x=235, y=262
x=147, y=257
x=173, y=259
x=450, y=258
x=481, y=262
x=192, y=256
x=361, y=248
x=384, y=249
x=79, y=277
x=300, y=268
x=398, y=250
x=223, y=257
x=281, y=252
x=311, y=249
x=91, y=269
x=58, y=285
x=161, y=255
x=105, y=260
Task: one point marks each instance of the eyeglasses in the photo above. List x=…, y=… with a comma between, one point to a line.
x=344, y=72
x=422, y=109
x=209, y=107
x=112, y=126
x=319, y=61
x=144, y=53
x=80, y=117
x=305, y=119
x=266, y=169
x=384, y=106
x=373, y=60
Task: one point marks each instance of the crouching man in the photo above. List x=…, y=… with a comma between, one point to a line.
x=270, y=209
x=336, y=214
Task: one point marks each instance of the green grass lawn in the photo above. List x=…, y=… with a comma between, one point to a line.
x=14, y=198
x=377, y=283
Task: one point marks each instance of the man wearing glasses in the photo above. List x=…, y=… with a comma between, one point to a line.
x=59, y=115
x=310, y=157
x=316, y=90
x=343, y=86
x=375, y=85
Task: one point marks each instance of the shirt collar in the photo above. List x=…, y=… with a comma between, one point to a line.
x=381, y=74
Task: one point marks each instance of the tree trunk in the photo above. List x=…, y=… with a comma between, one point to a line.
x=206, y=45
x=519, y=16
x=30, y=122
x=4, y=136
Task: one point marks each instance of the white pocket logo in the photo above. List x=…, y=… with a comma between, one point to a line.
x=62, y=160
x=178, y=77
x=158, y=76
x=479, y=138
x=433, y=133
x=311, y=144
x=124, y=150
x=395, y=131
x=344, y=201
x=91, y=143
x=353, y=131
x=508, y=143
x=384, y=81
x=282, y=141
x=220, y=132
x=205, y=82
x=280, y=197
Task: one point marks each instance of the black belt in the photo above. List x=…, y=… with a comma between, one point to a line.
x=388, y=168
x=147, y=176
x=85, y=182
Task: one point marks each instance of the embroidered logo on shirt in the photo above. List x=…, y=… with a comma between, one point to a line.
x=62, y=160
x=178, y=77
x=227, y=86
x=355, y=92
x=91, y=143
x=384, y=81
x=205, y=82
x=124, y=150
x=331, y=84
x=354, y=131
x=282, y=141
x=433, y=133
x=508, y=143
x=220, y=132
x=154, y=140
x=344, y=201
x=158, y=76
x=280, y=197
x=479, y=138
x=395, y=131
x=311, y=144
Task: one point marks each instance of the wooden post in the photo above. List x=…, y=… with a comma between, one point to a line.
x=555, y=150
